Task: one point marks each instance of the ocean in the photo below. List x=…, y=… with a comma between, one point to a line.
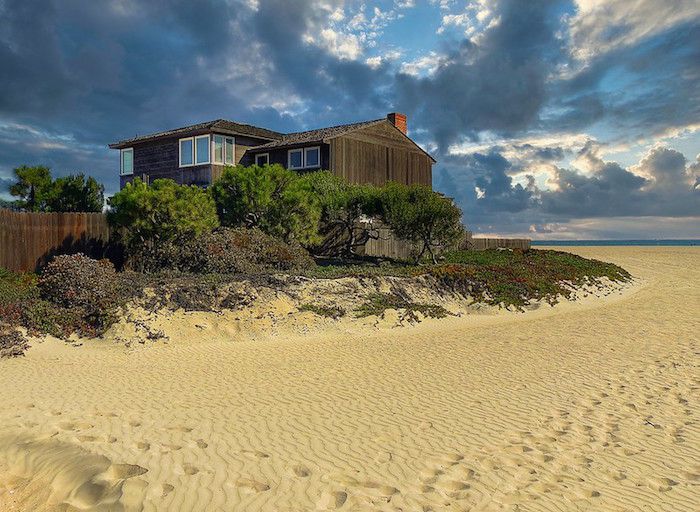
x=592, y=243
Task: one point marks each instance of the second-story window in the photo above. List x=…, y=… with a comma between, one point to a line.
x=262, y=159
x=230, y=152
x=201, y=149
x=194, y=150
x=127, y=161
x=223, y=150
x=295, y=159
x=186, y=152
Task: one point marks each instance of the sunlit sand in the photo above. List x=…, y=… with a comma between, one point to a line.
x=584, y=406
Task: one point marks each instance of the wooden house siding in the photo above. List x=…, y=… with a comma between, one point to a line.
x=374, y=155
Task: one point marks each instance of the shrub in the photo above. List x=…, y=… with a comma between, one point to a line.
x=334, y=312
x=144, y=216
x=418, y=214
x=377, y=303
x=342, y=205
x=79, y=283
x=270, y=198
x=225, y=251
x=12, y=344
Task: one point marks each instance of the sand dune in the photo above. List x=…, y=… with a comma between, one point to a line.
x=586, y=406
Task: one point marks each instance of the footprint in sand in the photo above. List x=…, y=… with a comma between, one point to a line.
x=301, y=471
x=201, y=444
x=167, y=448
x=332, y=500
x=255, y=454
x=135, y=423
x=72, y=426
x=180, y=428
x=190, y=469
x=87, y=439
x=167, y=489
x=251, y=486
x=143, y=446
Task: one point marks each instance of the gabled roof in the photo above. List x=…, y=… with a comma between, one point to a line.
x=219, y=125
x=323, y=134
x=320, y=135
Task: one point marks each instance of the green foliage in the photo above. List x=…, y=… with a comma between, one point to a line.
x=342, y=205
x=146, y=215
x=32, y=187
x=418, y=214
x=377, y=303
x=38, y=192
x=75, y=193
x=333, y=312
x=270, y=198
x=514, y=278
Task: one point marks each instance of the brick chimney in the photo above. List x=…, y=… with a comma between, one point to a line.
x=398, y=120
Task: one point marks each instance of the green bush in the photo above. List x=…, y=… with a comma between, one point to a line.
x=144, y=216
x=270, y=198
x=75, y=193
x=418, y=214
x=342, y=205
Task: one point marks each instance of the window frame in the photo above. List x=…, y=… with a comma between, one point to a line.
x=121, y=161
x=207, y=145
x=289, y=158
x=179, y=151
x=266, y=155
x=232, y=141
x=318, y=165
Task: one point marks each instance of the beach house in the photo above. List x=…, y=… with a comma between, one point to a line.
x=375, y=152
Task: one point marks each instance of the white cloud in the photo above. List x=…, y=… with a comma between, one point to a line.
x=343, y=46
x=601, y=25
x=425, y=65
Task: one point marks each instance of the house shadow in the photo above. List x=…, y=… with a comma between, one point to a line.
x=95, y=248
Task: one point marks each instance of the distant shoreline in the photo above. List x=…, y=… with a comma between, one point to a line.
x=606, y=243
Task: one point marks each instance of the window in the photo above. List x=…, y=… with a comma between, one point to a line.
x=262, y=159
x=295, y=159
x=312, y=157
x=304, y=158
x=218, y=149
x=186, y=152
x=224, y=150
x=230, y=151
x=201, y=149
x=126, y=165
x=194, y=151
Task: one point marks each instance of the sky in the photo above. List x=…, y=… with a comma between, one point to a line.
x=575, y=119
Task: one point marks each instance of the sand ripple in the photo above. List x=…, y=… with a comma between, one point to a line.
x=590, y=406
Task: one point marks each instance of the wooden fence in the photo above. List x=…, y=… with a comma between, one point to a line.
x=481, y=244
x=29, y=240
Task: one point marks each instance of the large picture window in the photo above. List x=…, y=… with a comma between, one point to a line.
x=127, y=161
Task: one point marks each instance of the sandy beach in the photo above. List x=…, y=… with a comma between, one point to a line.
x=583, y=406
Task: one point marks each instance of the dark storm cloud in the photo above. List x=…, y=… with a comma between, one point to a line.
x=499, y=85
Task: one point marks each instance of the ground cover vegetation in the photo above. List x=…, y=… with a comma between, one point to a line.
x=185, y=244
